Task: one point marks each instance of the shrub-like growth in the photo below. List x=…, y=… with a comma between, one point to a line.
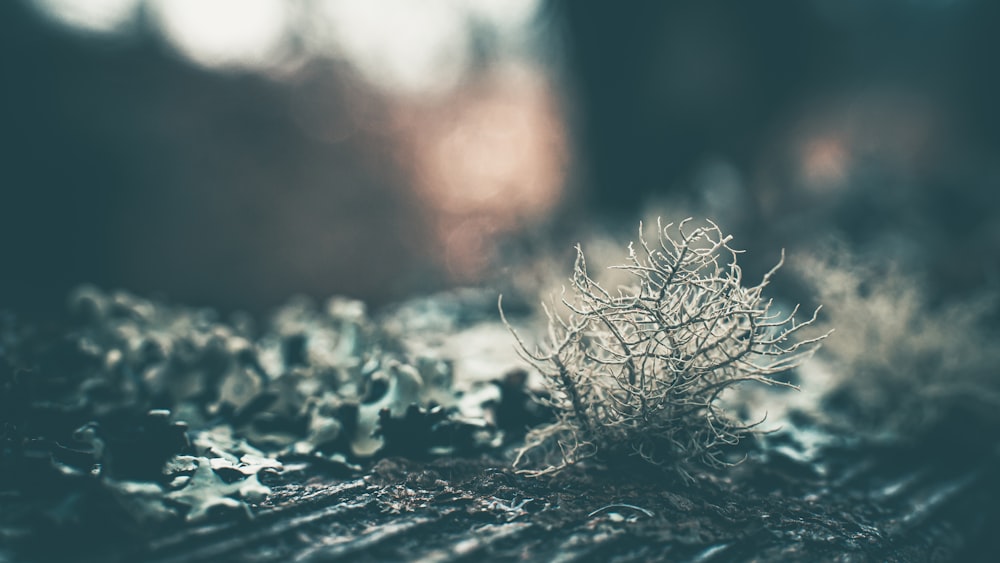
x=905, y=363
x=640, y=369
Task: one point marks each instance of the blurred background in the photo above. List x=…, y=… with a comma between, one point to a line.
x=233, y=153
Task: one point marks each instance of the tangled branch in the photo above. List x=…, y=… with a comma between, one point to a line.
x=641, y=368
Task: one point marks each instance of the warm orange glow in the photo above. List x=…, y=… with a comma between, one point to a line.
x=501, y=152
x=825, y=162
x=468, y=247
x=487, y=161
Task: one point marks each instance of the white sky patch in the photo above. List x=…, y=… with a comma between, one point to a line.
x=224, y=33
x=400, y=45
x=94, y=16
x=508, y=16
x=406, y=47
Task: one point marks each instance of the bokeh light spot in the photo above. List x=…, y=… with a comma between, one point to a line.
x=825, y=162
x=411, y=47
x=223, y=34
x=94, y=16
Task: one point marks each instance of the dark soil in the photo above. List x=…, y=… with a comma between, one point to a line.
x=934, y=498
x=884, y=507
x=468, y=509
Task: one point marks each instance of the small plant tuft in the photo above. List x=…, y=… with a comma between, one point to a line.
x=640, y=369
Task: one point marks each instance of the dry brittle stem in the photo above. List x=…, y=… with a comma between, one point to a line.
x=644, y=367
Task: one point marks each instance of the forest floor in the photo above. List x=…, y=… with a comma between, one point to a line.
x=139, y=484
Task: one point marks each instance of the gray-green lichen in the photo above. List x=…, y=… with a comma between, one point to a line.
x=185, y=412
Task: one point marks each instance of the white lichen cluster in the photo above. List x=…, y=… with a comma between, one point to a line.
x=640, y=369
x=904, y=362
